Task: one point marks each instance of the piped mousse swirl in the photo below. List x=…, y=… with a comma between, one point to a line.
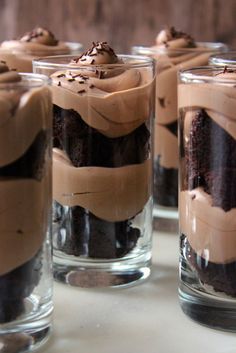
x=208, y=212
x=39, y=42
x=114, y=101
x=25, y=117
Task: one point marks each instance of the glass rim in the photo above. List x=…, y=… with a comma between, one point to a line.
x=136, y=61
x=29, y=80
x=202, y=74
x=206, y=46
x=223, y=59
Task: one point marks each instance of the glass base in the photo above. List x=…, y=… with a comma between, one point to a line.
x=208, y=311
x=100, y=274
x=27, y=336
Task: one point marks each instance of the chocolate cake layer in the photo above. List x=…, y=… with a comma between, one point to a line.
x=85, y=146
x=211, y=161
x=31, y=163
x=220, y=276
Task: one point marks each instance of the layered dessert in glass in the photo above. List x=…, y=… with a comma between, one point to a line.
x=102, y=166
x=174, y=50
x=39, y=42
x=207, y=204
x=25, y=188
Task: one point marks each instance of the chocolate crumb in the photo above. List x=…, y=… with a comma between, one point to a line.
x=81, y=91
x=162, y=102
x=193, y=197
x=61, y=75
x=71, y=79
x=101, y=74
x=91, y=86
x=59, y=83
x=225, y=70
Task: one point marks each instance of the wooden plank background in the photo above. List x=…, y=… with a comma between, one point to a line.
x=122, y=23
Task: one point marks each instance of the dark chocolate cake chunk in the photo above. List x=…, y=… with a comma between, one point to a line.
x=30, y=164
x=211, y=161
x=86, y=234
x=101, y=239
x=165, y=190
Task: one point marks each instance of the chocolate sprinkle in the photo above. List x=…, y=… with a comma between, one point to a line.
x=81, y=91
x=97, y=48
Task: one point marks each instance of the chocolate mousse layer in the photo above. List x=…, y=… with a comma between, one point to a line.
x=23, y=179
x=19, y=53
x=174, y=50
x=208, y=179
x=101, y=157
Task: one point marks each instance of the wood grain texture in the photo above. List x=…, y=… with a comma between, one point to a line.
x=122, y=23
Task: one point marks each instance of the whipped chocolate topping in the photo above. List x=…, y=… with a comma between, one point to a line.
x=99, y=53
x=115, y=101
x=171, y=38
x=210, y=230
x=38, y=43
x=40, y=35
x=23, y=201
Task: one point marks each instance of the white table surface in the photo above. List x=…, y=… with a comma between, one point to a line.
x=142, y=319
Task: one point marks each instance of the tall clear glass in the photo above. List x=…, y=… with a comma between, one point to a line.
x=25, y=211
x=207, y=195
x=168, y=62
x=102, y=169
